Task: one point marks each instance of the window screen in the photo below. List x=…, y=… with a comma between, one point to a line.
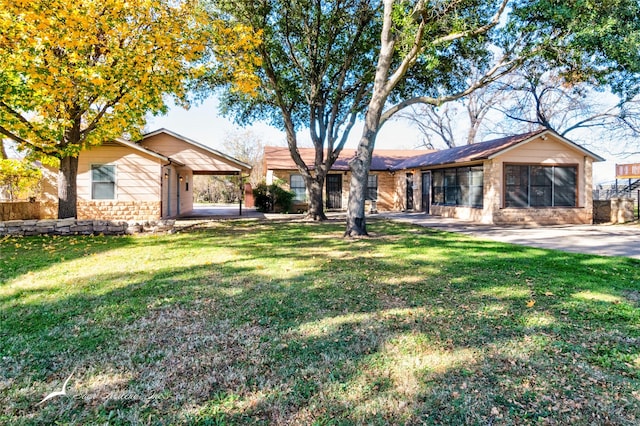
x=103, y=182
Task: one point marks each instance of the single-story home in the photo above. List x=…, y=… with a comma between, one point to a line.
x=382, y=192
x=534, y=178
x=146, y=180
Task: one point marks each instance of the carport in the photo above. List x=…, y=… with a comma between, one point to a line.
x=189, y=158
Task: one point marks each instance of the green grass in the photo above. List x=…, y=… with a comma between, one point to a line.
x=288, y=323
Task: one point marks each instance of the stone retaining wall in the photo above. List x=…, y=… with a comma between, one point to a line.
x=81, y=227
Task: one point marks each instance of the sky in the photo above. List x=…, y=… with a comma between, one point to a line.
x=203, y=124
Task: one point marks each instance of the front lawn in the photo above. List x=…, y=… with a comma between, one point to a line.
x=287, y=323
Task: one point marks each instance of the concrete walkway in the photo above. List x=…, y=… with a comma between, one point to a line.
x=604, y=240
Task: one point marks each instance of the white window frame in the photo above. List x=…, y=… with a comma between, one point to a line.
x=115, y=180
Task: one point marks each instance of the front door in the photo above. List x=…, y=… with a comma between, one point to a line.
x=409, y=191
x=426, y=192
x=334, y=191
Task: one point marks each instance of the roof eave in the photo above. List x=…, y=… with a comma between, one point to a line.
x=543, y=134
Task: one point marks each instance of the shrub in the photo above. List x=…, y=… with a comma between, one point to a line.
x=269, y=198
x=262, y=199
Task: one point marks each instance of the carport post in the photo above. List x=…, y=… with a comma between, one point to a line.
x=240, y=195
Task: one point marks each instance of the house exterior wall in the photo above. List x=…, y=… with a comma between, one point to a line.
x=49, y=196
x=137, y=189
x=388, y=199
x=541, y=151
x=546, y=151
x=177, y=191
x=119, y=210
x=137, y=175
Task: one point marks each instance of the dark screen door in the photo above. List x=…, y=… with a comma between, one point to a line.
x=334, y=191
x=409, y=191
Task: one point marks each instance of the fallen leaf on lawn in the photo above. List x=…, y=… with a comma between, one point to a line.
x=530, y=303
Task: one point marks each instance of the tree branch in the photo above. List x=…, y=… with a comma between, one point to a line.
x=495, y=20
x=495, y=73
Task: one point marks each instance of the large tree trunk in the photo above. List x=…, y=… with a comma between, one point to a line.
x=67, y=188
x=359, y=165
x=356, y=221
x=316, y=208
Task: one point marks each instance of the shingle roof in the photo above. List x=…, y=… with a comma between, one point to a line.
x=481, y=151
x=279, y=158
x=464, y=154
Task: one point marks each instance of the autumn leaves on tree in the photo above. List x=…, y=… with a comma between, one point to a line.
x=79, y=73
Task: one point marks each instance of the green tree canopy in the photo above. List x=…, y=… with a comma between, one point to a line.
x=315, y=73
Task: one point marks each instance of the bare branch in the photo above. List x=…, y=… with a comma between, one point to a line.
x=496, y=72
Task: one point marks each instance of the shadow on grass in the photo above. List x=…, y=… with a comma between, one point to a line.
x=22, y=255
x=300, y=326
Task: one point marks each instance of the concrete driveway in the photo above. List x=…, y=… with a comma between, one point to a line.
x=221, y=211
x=604, y=240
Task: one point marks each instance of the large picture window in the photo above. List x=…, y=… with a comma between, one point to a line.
x=103, y=182
x=540, y=186
x=458, y=186
x=372, y=187
x=298, y=187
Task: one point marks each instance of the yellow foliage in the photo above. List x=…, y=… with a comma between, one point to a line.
x=91, y=70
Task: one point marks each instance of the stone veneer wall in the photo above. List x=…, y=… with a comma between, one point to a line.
x=615, y=210
x=119, y=210
x=543, y=216
x=81, y=227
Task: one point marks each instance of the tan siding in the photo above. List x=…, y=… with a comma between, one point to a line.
x=137, y=174
x=49, y=195
x=195, y=158
x=542, y=152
